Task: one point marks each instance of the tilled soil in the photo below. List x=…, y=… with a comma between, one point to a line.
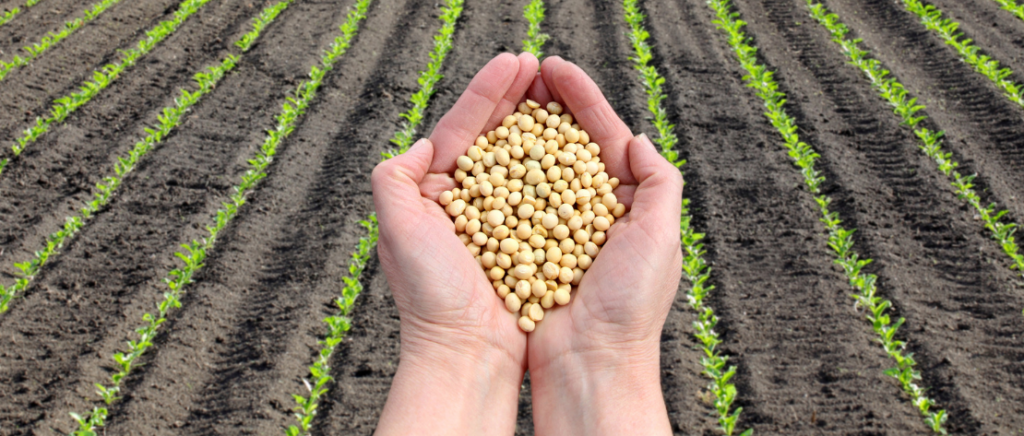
x=229, y=359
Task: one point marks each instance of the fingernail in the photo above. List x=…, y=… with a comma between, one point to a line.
x=646, y=140
x=417, y=145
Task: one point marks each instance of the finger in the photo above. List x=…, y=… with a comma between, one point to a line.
x=433, y=185
x=538, y=91
x=624, y=194
x=593, y=112
x=546, y=70
x=524, y=78
x=457, y=129
x=658, y=198
x=396, y=191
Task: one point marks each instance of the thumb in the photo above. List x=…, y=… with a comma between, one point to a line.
x=396, y=192
x=658, y=197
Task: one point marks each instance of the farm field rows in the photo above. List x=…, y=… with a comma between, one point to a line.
x=251, y=322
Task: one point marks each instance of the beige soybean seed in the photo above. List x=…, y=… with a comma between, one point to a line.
x=601, y=223
x=541, y=115
x=497, y=273
x=562, y=297
x=553, y=255
x=509, y=246
x=446, y=198
x=561, y=232
x=536, y=312
x=456, y=207
x=565, y=275
x=572, y=136
x=502, y=132
x=526, y=123
x=553, y=122
x=512, y=302
x=584, y=261
x=577, y=276
x=599, y=238
x=526, y=324
x=523, y=108
x=548, y=300
x=532, y=104
x=503, y=291
x=554, y=108
x=504, y=261
x=495, y=217
x=464, y=163
x=581, y=236
x=549, y=269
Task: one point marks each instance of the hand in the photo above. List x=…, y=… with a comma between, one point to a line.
x=594, y=364
x=462, y=354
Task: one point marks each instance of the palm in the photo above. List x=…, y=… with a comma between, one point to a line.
x=608, y=309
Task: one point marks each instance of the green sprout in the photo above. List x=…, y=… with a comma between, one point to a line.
x=840, y=240
x=428, y=78
x=195, y=252
x=534, y=42
x=170, y=118
x=695, y=269
x=1012, y=6
x=52, y=38
x=9, y=15
x=339, y=324
x=931, y=17
x=102, y=78
x=931, y=144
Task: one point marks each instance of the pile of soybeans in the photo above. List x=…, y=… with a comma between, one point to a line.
x=533, y=207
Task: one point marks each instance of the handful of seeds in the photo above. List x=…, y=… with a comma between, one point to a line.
x=534, y=207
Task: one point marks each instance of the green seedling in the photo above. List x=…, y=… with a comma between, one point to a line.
x=101, y=79
x=339, y=324
x=168, y=120
x=9, y=15
x=428, y=78
x=695, y=268
x=52, y=38
x=195, y=252
x=840, y=240
x=931, y=144
x=1012, y=6
x=535, y=39
x=946, y=28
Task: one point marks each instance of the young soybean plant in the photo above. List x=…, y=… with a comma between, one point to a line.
x=9, y=15
x=695, y=268
x=338, y=325
x=535, y=39
x=1012, y=6
x=840, y=240
x=931, y=144
x=101, y=79
x=428, y=78
x=167, y=121
x=931, y=17
x=53, y=38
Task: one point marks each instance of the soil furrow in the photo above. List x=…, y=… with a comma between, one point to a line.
x=920, y=235
x=983, y=129
x=366, y=361
x=61, y=169
x=61, y=335
x=33, y=23
x=259, y=304
x=28, y=92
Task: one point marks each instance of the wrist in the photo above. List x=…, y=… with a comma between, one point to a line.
x=600, y=391
x=452, y=391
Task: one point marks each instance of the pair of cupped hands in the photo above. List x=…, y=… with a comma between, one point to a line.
x=594, y=363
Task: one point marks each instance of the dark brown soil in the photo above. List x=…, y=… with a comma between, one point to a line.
x=227, y=362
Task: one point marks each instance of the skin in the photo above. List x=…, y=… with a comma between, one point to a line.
x=594, y=363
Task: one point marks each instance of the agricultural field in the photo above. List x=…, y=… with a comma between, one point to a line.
x=187, y=236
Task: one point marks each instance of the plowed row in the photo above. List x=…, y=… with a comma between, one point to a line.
x=229, y=360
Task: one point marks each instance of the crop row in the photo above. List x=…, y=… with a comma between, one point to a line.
x=339, y=324
x=535, y=39
x=906, y=107
x=1012, y=6
x=984, y=64
x=53, y=38
x=839, y=239
x=109, y=184
x=695, y=268
x=101, y=79
x=196, y=251
x=9, y=15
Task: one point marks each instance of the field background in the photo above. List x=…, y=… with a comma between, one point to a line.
x=229, y=360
